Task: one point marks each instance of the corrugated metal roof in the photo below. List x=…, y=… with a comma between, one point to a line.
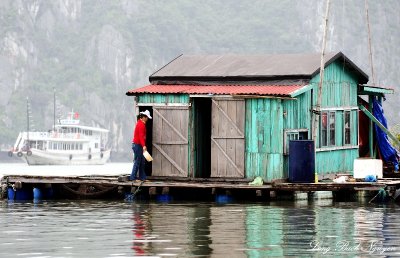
x=250, y=66
x=268, y=90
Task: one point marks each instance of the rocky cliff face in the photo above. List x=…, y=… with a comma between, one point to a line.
x=91, y=52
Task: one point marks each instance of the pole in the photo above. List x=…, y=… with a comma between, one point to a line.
x=54, y=108
x=27, y=119
x=317, y=111
x=369, y=44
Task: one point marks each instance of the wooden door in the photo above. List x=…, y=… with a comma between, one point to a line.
x=170, y=141
x=227, y=138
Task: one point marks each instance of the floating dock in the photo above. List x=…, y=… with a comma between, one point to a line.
x=104, y=185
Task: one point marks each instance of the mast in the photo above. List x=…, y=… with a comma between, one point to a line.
x=317, y=111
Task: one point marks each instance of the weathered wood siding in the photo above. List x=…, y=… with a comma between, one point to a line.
x=227, y=138
x=264, y=138
x=170, y=141
x=171, y=134
x=339, y=91
x=297, y=115
x=163, y=98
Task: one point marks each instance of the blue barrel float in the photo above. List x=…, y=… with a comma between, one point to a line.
x=19, y=194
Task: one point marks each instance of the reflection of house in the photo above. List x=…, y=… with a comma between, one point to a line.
x=233, y=115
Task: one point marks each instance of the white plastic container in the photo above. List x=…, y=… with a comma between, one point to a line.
x=147, y=156
x=366, y=166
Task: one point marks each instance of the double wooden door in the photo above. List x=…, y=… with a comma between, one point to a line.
x=171, y=139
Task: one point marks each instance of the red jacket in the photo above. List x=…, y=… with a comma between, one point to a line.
x=139, y=136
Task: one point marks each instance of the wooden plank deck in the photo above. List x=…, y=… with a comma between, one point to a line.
x=202, y=183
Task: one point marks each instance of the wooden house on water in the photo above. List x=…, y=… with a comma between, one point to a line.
x=232, y=116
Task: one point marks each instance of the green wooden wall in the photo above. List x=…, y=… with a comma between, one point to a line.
x=339, y=91
x=267, y=120
x=297, y=115
x=263, y=138
x=163, y=98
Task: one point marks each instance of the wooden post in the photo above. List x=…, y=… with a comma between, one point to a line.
x=371, y=129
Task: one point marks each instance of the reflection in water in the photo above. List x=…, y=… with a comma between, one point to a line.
x=112, y=229
x=140, y=229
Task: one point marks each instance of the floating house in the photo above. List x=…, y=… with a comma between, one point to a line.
x=232, y=116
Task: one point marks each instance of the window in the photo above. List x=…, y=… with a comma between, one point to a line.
x=327, y=131
x=347, y=122
x=324, y=129
x=332, y=118
x=293, y=134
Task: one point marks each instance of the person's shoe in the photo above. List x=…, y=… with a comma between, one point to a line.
x=123, y=178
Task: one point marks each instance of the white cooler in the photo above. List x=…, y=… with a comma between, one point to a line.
x=366, y=166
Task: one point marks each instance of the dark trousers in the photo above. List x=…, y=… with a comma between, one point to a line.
x=138, y=163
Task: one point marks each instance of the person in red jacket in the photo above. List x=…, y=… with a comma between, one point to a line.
x=139, y=146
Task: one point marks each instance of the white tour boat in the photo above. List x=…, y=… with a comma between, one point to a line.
x=69, y=143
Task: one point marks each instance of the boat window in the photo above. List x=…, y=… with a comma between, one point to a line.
x=96, y=145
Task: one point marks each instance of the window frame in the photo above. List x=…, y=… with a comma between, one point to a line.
x=347, y=114
x=328, y=128
x=296, y=135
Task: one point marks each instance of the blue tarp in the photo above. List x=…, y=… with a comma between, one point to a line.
x=387, y=151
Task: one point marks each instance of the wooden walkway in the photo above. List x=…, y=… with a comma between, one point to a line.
x=116, y=187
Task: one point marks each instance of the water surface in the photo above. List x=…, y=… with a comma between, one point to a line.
x=128, y=229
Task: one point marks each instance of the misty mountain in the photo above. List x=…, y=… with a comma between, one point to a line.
x=92, y=51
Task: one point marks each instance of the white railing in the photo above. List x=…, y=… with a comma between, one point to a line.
x=47, y=135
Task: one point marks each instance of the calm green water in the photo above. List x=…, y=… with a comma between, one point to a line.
x=128, y=229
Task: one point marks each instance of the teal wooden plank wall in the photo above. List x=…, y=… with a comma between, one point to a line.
x=163, y=98
x=264, y=141
x=339, y=91
x=297, y=115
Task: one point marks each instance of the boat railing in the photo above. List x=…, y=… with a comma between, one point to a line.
x=47, y=135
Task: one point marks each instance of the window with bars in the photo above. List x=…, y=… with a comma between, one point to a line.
x=328, y=129
x=293, y=134
x=347, y=130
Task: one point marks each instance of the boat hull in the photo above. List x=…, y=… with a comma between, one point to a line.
x=39, y=157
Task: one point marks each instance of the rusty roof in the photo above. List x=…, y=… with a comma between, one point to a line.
x=266, y=90
x=247, y=67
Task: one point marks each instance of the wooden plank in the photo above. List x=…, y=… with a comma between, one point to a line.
x=222, y=111
x=182, y=171
x=239, y=173
x=171, y=126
